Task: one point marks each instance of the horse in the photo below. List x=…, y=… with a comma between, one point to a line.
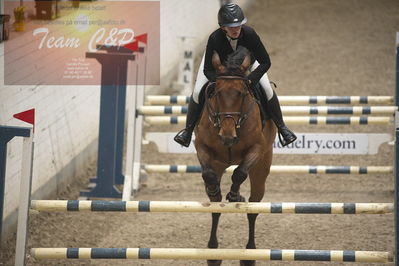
x=230, y=132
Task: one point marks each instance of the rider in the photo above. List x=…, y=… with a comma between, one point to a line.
x=233, y=32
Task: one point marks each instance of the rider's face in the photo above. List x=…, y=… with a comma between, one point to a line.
x=233, y=32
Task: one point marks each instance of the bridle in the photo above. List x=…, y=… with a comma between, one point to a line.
x=216, y=117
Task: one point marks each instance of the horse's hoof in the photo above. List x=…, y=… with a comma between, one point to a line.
x=247, y=262
x=214, y=262
x=234, y=197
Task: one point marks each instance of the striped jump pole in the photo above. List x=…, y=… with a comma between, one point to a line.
x=210, y=207
x=339, y=110
x=277, y=169
x=380, y=100
x=212, y=254
x=287, y=110
x=290, y=120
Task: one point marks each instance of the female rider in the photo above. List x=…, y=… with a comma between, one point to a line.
x=224, y=41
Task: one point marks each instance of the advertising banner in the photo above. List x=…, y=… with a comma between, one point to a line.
x=51, y=44
x=306, y=143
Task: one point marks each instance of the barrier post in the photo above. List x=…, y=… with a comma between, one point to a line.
x=112, y=118
x=24, y=200
x=7, y=133
x=134, y=140
x=131, y=118
x=138, y=142
x=397, y=70
x=397, y=155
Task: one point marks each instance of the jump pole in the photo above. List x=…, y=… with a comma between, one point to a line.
x=287, y=100
x=287, y=110
x=211, y=207
x=290, y=120
x=212, y=254
x=278, y=169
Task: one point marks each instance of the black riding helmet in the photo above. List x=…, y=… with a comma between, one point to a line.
x=231, y=15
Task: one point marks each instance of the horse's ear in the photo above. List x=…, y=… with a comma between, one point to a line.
x=245, y=63
x=217, y=64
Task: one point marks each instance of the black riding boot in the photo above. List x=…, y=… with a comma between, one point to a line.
x=286, y=136
x=193, y=113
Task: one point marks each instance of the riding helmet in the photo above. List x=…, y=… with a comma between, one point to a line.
x=231, y=15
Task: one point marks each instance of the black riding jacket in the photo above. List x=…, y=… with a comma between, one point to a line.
x=248, y=38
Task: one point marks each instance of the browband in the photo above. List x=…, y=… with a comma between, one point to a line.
x=232, y=77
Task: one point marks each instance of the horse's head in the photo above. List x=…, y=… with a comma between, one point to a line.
x=226, y=105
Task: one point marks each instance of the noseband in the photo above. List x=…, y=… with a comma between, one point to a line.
x=217, y=117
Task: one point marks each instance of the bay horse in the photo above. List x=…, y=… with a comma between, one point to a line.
x=230, y=132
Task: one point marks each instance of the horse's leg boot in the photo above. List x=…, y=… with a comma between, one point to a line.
x=193, y=113
x=285, y=135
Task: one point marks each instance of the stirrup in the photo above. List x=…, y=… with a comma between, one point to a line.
x=284, y=142
x=183, y=137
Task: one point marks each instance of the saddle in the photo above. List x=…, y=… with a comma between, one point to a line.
x=261, y=99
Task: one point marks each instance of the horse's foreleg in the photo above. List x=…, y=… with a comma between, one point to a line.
x=258, y=174
x=240, y=174
x=251, y=237
x=251, y=224
x=212, y=188
x=251, y=228
x=211, y=174
x=212, y=184
x=213, y=241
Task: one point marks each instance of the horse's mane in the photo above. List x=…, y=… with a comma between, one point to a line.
x=234, y=61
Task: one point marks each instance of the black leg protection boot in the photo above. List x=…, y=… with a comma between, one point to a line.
x=193, y=113
x=285, y=135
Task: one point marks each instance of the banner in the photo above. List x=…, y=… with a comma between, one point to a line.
x=306, y=143
x=55, y=36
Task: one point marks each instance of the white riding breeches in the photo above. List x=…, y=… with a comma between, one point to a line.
x=201, y=80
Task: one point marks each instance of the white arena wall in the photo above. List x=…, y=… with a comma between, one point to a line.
x=67, y=117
